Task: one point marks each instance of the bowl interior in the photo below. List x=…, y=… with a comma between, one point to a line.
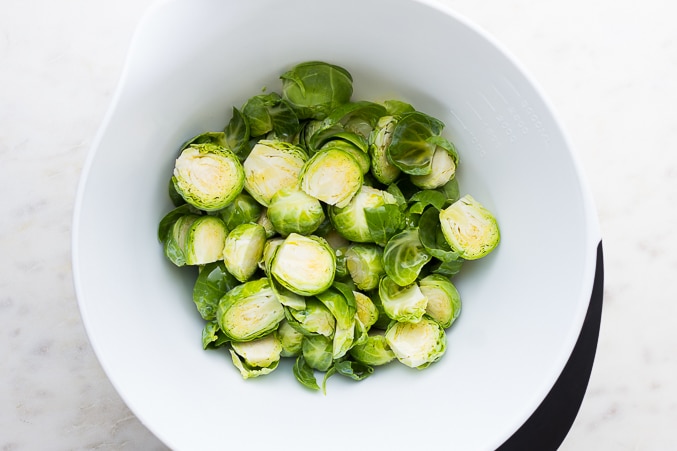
x=191, y=62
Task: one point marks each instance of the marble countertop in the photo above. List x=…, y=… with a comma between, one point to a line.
x=610, y=70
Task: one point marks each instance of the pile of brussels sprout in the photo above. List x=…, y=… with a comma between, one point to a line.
x=324, y=229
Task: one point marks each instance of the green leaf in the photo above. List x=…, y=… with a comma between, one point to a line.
x=384, y=222
x=432, y=238
x=411, y=148
x=237, y=135
x=213, y=282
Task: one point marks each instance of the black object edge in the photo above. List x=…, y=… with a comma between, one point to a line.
x=550, y=423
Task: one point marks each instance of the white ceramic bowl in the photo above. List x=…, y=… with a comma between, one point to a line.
x=191, y=61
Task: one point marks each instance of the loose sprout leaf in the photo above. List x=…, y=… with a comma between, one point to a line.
x=217, y=138
x=384, y=222
x=212, y=283
x=237, y=135
x=305, y=374
x=432, y=238
x=411, y=149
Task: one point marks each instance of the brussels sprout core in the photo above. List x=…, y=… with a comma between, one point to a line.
x=208, y=176
x=469, y=228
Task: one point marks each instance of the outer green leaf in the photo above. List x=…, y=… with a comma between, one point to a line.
x=305, y=374
x=237, y=135
x=212, y=283
x=411, y=149
x=404, y=256
x=384, y=222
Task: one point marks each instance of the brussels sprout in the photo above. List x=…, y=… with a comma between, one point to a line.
x=290, y=339
x=365, y=265
x=444, y=302
x=332, y=176
x=257, y=357
x=317, y=351
x=270, y=113
x=443, y=168
x=208, y=176
x=304, y=264
x=175, y=238
x=413, y=143
x=406, y=304
x=243, y=250
x=469, y=228
x=340, y=301
x=270, y=167
x=351, y=219
x=249, y=311
x=268, y=251
x=264, y=221
x=315, y=88
x=373, y=351
x=315, y=318
x=241, y=210
x=404, y=256
x=360, y=156
x=417, y=345
x=381, y=167
x=212, y=283
x=367, y=313
x=291, y=210
x=196, y=240
x=168, y=220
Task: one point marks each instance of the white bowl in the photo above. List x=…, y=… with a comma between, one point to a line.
x=191, y=61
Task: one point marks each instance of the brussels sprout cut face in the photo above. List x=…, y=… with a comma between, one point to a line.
x=469, y=228
x=249, y=311
x=332, y=176
x=304, y=265
x=270, y=167
x=417, y=345
x=208, y=176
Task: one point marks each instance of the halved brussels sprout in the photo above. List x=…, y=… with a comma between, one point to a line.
x=381, y=167
x=196, y=240
x=332, y=176
x=241, y=210
x=270, y=167
x=315, y=88
x=373, y=351
x=257, y=357
x=469, y=228
x=443, y=168
x=243, y=250
x=249, y=311
x=444, y=302
x=314, y=319
x=304, y=264
x=404, y=256
x=340, y=301
x=361, y=157
x=293, y=211
x=208, y=176
x=290, y=339
x=405, y=304
x=351, y=219
x=367, y=313
x=417, y=345
x=365, y=265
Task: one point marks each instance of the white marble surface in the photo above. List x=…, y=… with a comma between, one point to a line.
x=610, y=70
